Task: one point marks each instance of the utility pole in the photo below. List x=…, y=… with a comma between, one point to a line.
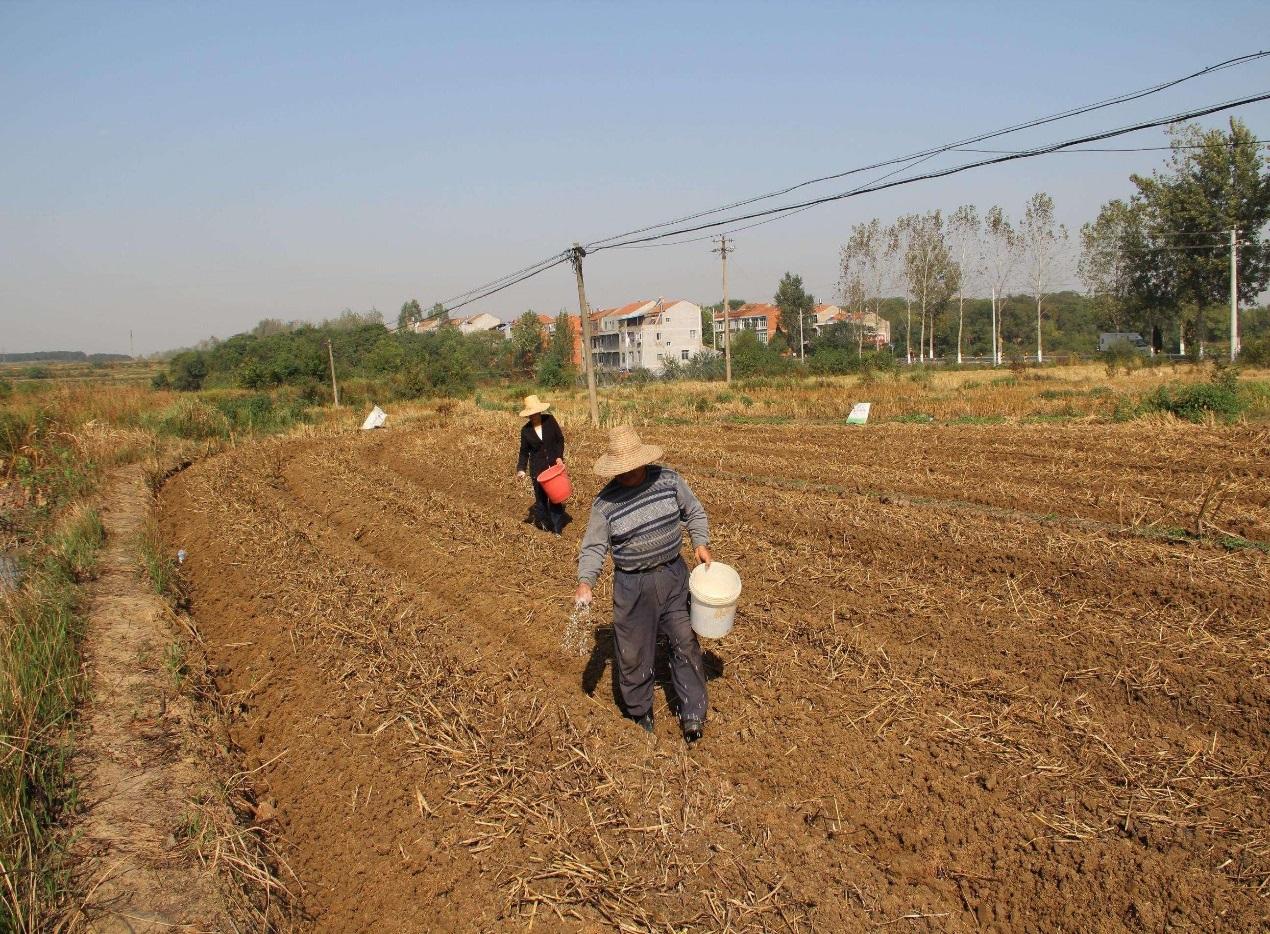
x=131, y=350
x=584, y=310
x=335, y=388
x=723, y=252
x=1234, y=295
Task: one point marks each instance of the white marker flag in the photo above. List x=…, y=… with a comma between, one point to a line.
x=375, y=419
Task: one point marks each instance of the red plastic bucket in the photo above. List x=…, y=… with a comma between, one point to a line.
x=556, y=483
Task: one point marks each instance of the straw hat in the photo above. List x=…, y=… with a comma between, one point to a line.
x=626, y=452
x=533, y=405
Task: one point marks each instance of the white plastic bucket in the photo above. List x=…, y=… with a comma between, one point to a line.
x=715, y=591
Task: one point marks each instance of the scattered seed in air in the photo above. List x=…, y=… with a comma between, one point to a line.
x=578, y=634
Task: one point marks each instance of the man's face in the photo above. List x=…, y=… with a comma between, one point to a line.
x=632, y=477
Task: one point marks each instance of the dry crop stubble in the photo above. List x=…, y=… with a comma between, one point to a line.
x=926, y=714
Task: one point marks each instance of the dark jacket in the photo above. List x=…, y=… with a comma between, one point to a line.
x=539, y=455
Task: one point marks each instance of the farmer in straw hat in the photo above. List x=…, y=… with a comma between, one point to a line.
x=637, y=517
x=541, y=445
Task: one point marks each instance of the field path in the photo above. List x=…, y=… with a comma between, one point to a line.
x=134, y=779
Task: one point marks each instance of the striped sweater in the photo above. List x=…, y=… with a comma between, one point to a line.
x=640, y=524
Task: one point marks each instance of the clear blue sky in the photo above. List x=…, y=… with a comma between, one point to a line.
x=184, y=170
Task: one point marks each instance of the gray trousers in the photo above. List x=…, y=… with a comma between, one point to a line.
x=644, y=604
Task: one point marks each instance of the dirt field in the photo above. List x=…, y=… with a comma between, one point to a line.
x=979, y=681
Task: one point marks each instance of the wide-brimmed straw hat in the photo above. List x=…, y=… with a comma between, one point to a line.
x=533, y=406
x=626, y=452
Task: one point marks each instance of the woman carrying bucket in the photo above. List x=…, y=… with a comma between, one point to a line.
x=541, y=447
x=639, y=517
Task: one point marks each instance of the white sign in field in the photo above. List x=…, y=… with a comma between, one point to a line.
x=375, y=419
x=859, y=413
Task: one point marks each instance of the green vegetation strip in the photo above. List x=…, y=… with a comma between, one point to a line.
x=41, y=681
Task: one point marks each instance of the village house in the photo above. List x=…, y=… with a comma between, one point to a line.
x=468, y=325
x=877, y=330
x=826, y=315
x=575, y=324
x=763, y=320
x=645, y=334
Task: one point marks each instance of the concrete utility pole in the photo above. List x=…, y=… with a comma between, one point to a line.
x=335, y=387
x=1234, y=295
x=584, y=310
x=723, y=252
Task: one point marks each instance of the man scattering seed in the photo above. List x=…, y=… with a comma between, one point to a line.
x=637, y=517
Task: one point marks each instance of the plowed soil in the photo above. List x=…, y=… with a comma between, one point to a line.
x=974, y=683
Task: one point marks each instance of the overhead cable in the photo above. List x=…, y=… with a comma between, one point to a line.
x=927, y=153
x=953, y=170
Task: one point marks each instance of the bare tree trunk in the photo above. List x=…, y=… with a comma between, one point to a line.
x=931, y=355
x=1040, y=357
x=908, y=330
x=921, y=338
x=961, y=323
x=994, y=326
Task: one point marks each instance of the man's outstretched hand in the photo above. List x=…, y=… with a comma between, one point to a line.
x=583, y=594
x=703, y=555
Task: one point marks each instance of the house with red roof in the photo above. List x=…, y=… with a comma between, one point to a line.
x=763, y=320
x=575, y=325
x=646, y=334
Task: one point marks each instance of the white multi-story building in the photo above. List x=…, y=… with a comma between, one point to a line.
x=645, y=334
x=468, y=325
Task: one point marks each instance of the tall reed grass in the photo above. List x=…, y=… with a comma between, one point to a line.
x=41, y=681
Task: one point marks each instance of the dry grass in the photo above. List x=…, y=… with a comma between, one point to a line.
x=1069, y=392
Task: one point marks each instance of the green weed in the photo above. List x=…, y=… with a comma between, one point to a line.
x=41, y=681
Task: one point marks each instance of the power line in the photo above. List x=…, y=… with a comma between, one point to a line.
x=550, y=260
x=1257, y=142
x=928, y=153
x=499, y=285
x=1010, y=157
x=799, y=209
x=905, y=163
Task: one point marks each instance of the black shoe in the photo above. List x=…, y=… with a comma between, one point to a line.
x=645, y=722
x=692, y=730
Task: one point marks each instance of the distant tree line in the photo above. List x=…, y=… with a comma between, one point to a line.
x=63, y=356
x=1157, y=263
x=968, y=284
x=374, y=361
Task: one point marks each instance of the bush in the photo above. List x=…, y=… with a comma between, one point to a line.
x=261, y=413
x=1256, y=352
x=553, y=373
x=188, y=370
x=1122, y=355
x=706, y=366
x=189, y=418
x=1219, y=398
x=750, y=358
